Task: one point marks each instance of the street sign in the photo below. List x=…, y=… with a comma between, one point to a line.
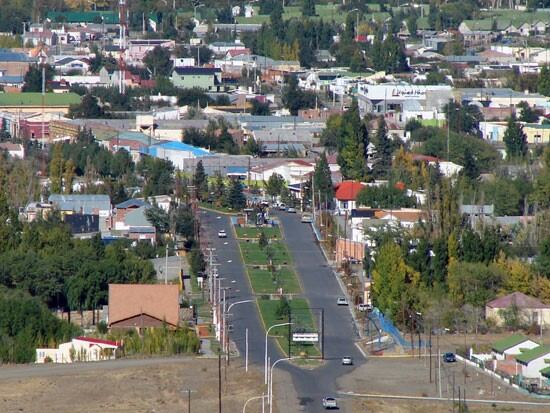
x=305, y=337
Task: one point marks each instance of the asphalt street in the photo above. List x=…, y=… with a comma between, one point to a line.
x=321, y=289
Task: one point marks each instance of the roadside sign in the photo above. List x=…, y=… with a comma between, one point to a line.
x=305, y=337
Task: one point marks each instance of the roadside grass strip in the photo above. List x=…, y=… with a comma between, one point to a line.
x=254, y=233
x=263, y=282
x=254, y=255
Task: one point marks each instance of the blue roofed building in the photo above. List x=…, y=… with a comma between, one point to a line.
x=177, y=152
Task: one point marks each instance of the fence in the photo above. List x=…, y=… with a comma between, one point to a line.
x=386, y=324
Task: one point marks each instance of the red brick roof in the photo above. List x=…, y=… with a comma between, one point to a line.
x=348, y=190
x=155, y=300
x=96, y=341
x=518, y=299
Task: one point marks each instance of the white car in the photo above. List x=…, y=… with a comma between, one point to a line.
x=330, y=403
x=347, y=361
x=222, y=233
x=342, y=301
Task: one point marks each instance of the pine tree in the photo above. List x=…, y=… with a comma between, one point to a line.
x=200, y=181
x=383, y=147
x=322, y=179
x=471, y=168
x=235, y=198
x=514, y=139
x=352, y=158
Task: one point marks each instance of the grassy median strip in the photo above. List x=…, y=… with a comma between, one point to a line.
x=266, y=282
x=254, y=233
x=253, y=254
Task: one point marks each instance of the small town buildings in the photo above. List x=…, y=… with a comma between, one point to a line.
x=130, y=219
x=15, y=150
x=346, y=195
x=140, y=306
x=206, y=78
x=14, y=63
x=79, y=349
x=84, y=204
x=536, y=134
x=177, y=152
x=532, y=361
x=30, y=102
x=511, y=346
x=137, y=49
x=531, y=310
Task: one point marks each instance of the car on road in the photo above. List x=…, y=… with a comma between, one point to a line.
x=307, y=218
x=330, y=403
x=281, y=207
x=291, y=210
x=342, y=301
x=347, y=361
x=449, y=357
x=364, y=307
x=222, y=233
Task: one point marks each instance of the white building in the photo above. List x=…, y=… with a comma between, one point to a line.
x=78, y=349
x=512, y=346
x=533, y=361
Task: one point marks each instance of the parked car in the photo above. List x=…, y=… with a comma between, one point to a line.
x=364, y=307
x=307, y=218
x=291, y=210
x=449, y=357
x=222, y=233
x=347, y=361
x=342, y=301
x=282, y=207
x=330, y=403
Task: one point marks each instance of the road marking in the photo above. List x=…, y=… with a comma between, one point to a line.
x=360, y=350
x=441, y=399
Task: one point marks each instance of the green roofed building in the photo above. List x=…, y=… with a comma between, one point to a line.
x=32, y=102
x=533, y=361
x=512, y=345
x=83, y=17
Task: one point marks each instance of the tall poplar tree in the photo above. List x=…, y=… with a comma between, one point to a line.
x=322, y=179
x=383, y=156
x=351, y=158
x=515, y=139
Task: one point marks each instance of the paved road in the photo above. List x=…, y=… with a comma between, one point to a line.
x=321, y=290
x=231, y=268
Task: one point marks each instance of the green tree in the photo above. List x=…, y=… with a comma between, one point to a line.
x=322, y=179
x=543, y=84
x=515, y=139
x=471, y=168
x=200, y=181
x=392, y=278
x=56, y=170
x=528, y=114
x=308, y=8
x=541, y=194
x=158, y=61
x=283, y=309
x=68, y=176
x=275, y=185
x=262, y=240
x=33, y=78
x=259, y=108
x=542, y=263
x=88, y=108
x=352, y=157
x=387, y=196
x=295, y=99
x=235, y=198
x=383, y=146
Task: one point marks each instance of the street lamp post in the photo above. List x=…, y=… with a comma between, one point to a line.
x=270, y=387
x=266, y=335
x=263, y=396
x=225, y=332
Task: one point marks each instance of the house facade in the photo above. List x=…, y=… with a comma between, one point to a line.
x=531, y=310
x=511, y=346
x=202, y=77
x=79, y=349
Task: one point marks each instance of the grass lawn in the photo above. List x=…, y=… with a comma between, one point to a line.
x=249, y=232
x=254, y=255
x=262, y=283
x=301, y=317
x=215, y=208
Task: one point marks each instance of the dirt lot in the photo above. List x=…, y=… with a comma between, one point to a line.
x=138, y=386
x=410, y=377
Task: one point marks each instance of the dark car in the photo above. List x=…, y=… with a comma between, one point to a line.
x=449, y=357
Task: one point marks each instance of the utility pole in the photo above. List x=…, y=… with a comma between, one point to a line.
x=219, y=381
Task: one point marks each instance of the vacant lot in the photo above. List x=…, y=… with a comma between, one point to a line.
x=137, y=386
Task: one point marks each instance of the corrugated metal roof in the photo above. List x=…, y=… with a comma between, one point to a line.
x=86, y=203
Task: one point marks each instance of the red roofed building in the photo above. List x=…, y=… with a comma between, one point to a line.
x=531, y=310
x=346, y=194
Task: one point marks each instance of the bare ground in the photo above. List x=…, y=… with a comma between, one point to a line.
x=154, y=386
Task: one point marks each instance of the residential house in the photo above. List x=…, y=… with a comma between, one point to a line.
x=202, y=77
x=35, y=210
x=14, y=63
x=220, y=48
x=359, y=220
x=135, y=143
x=294, y=171
x=531, y=362
x=46, y=38
x=72, y=64
x=140, y=306
x=511, y=346
x=15, y=150
x=346, y=195
x=404, y=217
x=183, y=61
x=130, y=218
x=536, y=134
x=477, y=214
x=531, y=310
x=85, y=204
x=11, y=83
x=137, y=49
x=79, y=349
